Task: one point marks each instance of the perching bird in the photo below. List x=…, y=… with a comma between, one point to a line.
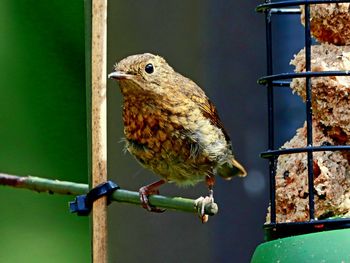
x=171, y=126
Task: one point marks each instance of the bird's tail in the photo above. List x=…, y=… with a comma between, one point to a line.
x=230, y=169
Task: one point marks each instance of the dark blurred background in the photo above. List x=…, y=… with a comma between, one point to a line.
x=220, y=45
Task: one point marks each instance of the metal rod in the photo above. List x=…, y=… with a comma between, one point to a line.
x=281, y=83
x=309, y=112
x=271, y=135
x=282, y=76
x=270, y=153
x=269, y=5
x=51, y=186
x=285, y=11
x=282, y=230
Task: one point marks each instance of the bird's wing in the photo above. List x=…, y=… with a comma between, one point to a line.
x=209, y=111
x=197, y=95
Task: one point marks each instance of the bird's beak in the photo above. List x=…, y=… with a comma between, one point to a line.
x=118, y=75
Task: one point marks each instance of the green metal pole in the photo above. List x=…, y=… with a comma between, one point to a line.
x=50, y=186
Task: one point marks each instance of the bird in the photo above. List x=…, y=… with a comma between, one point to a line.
x=171, y=127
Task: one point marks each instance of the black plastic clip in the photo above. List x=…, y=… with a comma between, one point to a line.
x=82, y=204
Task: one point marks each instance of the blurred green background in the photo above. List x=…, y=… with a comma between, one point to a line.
x=42, y=128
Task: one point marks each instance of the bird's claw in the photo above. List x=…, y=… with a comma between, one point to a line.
x=203, y=202
x=144, y=193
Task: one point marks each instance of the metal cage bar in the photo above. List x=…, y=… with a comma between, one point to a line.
x=284, y=76
x=308, y=104
x=271, y=129
x=268, y=5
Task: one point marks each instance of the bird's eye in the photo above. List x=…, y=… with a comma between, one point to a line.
x=149, y=68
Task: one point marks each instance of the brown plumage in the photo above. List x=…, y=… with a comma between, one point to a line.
x=171, y=126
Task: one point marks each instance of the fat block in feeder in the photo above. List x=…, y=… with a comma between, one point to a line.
x=331, y=102
x=330, y=23
x=331, y=124
x=331, y=180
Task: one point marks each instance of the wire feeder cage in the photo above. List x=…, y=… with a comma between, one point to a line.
x=275, y=230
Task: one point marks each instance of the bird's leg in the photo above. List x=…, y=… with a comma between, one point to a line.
x=210, y=181
x=148, y=190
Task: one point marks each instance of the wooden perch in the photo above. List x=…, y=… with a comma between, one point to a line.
x=99, y=127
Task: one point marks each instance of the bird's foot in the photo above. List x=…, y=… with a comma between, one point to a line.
x=204, y=201
x=146, y=191
x=210, y=181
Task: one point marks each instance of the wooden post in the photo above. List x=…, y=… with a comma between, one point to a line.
x=99, y=127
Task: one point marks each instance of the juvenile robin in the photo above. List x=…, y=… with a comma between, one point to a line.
x=171, y=126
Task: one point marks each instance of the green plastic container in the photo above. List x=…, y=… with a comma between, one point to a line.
x=328, y=246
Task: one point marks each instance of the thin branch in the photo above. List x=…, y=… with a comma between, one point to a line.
x=50, y=186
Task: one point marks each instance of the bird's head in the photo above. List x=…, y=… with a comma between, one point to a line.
x=142, y=73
